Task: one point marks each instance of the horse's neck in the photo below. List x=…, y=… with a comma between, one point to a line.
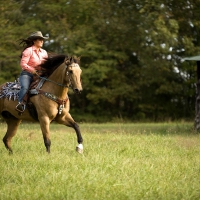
x=57, y=82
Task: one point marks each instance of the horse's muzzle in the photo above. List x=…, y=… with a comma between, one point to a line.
x=77, y=91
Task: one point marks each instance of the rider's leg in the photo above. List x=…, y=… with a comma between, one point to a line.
x=25, y=81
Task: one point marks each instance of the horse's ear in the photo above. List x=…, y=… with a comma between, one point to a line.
x=77, y=59
x=71, y=59
x=67, y=60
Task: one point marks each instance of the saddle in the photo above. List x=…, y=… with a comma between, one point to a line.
x=11, y=92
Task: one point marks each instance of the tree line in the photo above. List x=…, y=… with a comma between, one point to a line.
x=131, y=53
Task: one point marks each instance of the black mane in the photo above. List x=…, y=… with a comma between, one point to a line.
x=51, y=63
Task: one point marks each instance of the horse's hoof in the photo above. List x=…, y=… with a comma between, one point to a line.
x=79, y=148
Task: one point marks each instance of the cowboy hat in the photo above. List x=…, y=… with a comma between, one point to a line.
x=37, y=34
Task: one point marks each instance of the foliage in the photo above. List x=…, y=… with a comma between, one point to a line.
x=131, y=52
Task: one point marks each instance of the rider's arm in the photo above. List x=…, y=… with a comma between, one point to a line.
x=26, y=55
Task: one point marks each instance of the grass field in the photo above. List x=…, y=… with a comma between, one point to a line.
x=120, y=162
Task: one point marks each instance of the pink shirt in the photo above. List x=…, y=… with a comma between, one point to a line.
x=31, y=59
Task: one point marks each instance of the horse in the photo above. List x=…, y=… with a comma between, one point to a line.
x=51, y=102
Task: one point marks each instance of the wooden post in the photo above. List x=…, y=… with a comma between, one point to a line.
x=197, y=103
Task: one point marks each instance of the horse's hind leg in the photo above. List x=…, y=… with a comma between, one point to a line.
x=12, y=126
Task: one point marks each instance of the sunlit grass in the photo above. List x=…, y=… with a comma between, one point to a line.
x=120, y=161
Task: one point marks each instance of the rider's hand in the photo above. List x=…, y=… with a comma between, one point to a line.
x=35, y=72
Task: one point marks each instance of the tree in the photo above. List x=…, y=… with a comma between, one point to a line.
x=131, y=52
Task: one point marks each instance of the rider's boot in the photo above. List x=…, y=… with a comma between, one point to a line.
x=21, y=106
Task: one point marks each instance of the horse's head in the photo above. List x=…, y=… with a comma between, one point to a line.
x=74, y=73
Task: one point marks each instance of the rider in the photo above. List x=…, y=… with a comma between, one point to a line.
x=31, y=56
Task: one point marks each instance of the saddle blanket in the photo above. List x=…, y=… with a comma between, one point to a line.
x=11, y=90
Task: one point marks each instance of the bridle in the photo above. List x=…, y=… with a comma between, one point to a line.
x=70, y=82
x=68, y=74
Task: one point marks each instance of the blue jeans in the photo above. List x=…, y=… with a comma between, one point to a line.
x=25, y=81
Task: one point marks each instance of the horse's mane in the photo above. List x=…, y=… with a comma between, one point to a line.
x=51, y=63
x=54, y=61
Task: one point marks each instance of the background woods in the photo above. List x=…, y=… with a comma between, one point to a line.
x=131, y=52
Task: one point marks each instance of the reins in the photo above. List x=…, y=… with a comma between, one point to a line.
x=59, y=84
x=46, y=79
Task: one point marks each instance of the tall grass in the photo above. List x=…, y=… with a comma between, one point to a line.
x=120, y=161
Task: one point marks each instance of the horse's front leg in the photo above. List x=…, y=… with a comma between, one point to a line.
x=79, y=148
x=44, y=124
x=66, y=119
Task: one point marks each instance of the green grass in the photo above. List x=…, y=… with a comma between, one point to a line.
x=120, y=162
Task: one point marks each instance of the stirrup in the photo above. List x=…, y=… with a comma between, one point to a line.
x=20, y=107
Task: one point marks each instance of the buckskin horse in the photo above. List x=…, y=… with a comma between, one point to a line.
x=50, y=100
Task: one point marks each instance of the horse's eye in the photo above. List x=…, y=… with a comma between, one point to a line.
x=70, y=71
